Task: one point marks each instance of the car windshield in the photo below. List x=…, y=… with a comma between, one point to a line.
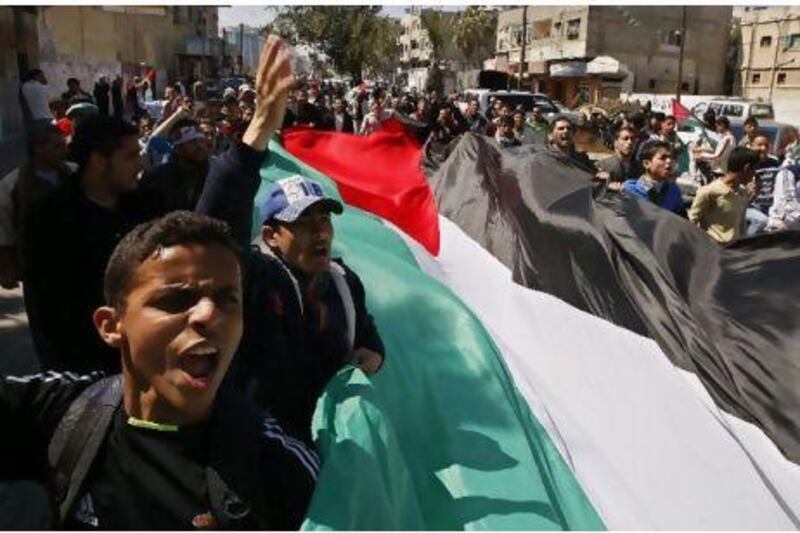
x=761, y=111
x=527, y=101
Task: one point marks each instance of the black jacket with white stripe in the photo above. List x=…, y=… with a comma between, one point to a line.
x=145, y=478
x=285, y=359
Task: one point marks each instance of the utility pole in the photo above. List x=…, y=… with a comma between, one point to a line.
x=222, y=60
x=775, y=64
x=777, y=68
x=203, y=57
x=679, y=88
x=241, y=47
x=524, y=45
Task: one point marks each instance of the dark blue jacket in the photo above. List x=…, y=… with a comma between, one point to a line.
x=669, y=196
x=283, y=361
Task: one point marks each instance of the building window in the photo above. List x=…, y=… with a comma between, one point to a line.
x=756, y=78
x=673, y=37
x=793, y=41
x=541, y=29
x=573, y=29
x=766, y=41
x=781, y=78
x=515, y=37
x=557, y=27
x=652, y=83
x=685, y=86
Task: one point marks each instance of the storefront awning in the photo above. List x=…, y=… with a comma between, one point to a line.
x=606, y=66
x=568, y=69
x=537, y=67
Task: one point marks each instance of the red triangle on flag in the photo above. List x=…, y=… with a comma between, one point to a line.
x=380, y=173
x=679, y=111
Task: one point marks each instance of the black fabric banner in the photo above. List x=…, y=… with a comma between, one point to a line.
x=730, y=315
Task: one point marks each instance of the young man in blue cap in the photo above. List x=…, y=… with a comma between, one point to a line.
x=297, y=230
x=305, y=314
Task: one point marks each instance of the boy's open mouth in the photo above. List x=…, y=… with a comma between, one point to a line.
x=199, y=364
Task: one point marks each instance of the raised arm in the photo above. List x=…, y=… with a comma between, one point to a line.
x=233, y=179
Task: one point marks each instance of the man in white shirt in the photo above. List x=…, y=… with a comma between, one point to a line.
x=374, y=120
x=785, y=208
x=34, y=90
x=719, y=157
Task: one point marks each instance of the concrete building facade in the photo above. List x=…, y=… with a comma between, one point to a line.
x=85, y=42
x=417, y=49
x=645, y=41
x=769, y=56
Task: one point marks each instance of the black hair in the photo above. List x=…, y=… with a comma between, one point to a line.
x=98, y=133
x=559, y=118
x=670, y=117
x=176, y=228
x=740, y=158
x=38, y=135
x=73, y=80
x=750, y=121
x=629, y=129
x=762, y=133
x=651, y=148
x=507, y=120
x=31, y=74
x=723, y=121
x=638, y=119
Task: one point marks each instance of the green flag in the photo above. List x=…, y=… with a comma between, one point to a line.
x=440, y=438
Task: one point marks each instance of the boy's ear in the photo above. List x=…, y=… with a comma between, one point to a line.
x=269, y=235
x=106, y=321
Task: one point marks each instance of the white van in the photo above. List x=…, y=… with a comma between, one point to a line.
x=513, y=98
x=736, y=109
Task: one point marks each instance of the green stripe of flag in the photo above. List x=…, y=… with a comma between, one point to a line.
x=440, y=438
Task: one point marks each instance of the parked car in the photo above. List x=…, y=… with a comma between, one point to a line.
x=691, y=130
x=736, y=109
x=513, y=98
x=777, y=131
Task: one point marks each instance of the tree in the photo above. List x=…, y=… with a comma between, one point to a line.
x=439, y=27
x=476, y=33
x=354, y=37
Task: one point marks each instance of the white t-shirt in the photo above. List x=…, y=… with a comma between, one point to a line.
x=373, y=123
x=35, y=94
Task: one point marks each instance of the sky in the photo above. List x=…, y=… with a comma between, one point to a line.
x=257, y=16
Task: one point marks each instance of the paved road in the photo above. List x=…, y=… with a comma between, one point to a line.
x=17, y=355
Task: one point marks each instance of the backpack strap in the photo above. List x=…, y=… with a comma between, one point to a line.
x=78, y=437
x=235, y=461
x=338, y=274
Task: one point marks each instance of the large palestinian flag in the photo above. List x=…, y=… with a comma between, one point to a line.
x=554, y=360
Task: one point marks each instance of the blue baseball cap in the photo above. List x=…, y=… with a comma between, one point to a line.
x=288, y=198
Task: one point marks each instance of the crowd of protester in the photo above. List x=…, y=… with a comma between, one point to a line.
x=647, y=151
x=129, y=227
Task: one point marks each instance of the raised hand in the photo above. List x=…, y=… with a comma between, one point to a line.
x=273, y=81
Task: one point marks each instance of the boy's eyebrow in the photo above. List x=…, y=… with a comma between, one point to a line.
x=186, y=286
